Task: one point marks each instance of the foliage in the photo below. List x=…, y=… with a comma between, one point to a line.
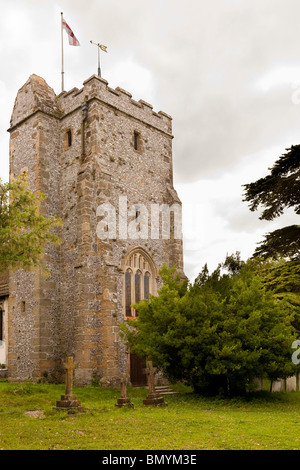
x=24, y=232
x=218, y=334
x=284, y=242
x=278, y=190
x=282, y=278
x=192, y=422
x=275, y=192
x=160, y=311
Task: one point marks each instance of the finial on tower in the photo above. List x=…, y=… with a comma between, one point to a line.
x=103, y=48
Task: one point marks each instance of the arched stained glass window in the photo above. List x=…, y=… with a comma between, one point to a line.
x=139, y=280
x=147, y=285
x=137, y=286
x=128, y=302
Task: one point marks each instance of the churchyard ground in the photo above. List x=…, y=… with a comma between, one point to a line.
x=28, y=421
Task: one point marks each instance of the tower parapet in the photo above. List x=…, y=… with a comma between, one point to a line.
x=118, y=99
x=35, y=95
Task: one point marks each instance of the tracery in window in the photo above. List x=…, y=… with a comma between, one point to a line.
x=139, y=280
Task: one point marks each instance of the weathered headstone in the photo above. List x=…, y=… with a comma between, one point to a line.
x=277, y=386
x=257, y=384
x=124, y=400
x=153, y=398
x=291, y=384
x=69, y=401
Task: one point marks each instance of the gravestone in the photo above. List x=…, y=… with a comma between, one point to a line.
x=277, y=386
x=153, y=398
x=68, y=400
x=257, y=384
x=291, y=384
x=124, y=400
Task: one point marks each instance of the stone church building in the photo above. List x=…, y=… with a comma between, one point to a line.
x=104, y=162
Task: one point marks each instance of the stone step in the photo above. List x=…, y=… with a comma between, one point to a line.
x=162, y=390
x=165, y=390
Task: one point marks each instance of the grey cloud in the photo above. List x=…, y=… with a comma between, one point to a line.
x=206, y=61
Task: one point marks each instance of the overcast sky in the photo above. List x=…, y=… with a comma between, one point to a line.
x=227, y=71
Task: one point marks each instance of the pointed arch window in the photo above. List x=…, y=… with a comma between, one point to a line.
x=128, y=302
x=137, y=286
x=147, y=285
x=139, y=281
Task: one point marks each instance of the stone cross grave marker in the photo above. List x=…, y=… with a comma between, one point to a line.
x=123, y=386
x=69, y=366
x=69, y=401
x=152, y=398
x=124, y=401
x=149, y=371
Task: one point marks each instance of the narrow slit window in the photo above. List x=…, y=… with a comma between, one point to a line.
x=137, y=215
x=69, y=138
x=137, y=141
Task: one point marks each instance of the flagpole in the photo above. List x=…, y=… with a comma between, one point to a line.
x=99, y=70
x=62, y=54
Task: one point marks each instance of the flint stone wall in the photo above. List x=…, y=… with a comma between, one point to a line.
x=77, y=310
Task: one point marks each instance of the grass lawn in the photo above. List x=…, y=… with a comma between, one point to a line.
x=28, y=421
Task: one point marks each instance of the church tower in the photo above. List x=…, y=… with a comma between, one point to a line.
x=104, y=162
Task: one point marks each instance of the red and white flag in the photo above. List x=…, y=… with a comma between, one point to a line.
x=73, y=41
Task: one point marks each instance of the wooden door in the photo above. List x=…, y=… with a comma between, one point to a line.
x=137, y=376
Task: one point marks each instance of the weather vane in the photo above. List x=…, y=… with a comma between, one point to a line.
x=103, y=48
